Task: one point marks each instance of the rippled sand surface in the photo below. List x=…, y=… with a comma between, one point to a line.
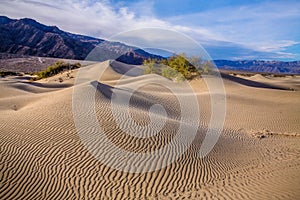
x=42, y=156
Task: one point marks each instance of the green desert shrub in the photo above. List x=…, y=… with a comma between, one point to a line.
x=56, y=68
x=177, y=67
x=7, y=73
x=203, y=66
x=152, y=66
x=172, y=74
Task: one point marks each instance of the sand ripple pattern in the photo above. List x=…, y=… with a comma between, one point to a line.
x=42, y=156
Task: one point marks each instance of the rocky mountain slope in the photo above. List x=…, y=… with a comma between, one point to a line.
x=260, y=66
x=29, y=37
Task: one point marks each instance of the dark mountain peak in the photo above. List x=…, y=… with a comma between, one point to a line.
x=29, y=21
x=35, y=24
x=5, y=20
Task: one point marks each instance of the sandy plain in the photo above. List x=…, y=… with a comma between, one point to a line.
x=257, y=155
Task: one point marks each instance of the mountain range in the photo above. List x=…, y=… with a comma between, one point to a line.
x=279, y=67
x=29, y=37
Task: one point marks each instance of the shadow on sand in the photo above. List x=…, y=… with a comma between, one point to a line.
x=106, y=90
x=251, y=83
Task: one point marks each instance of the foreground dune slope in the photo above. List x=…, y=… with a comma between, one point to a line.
x=43, y=157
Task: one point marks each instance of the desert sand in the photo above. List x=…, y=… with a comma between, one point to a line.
x=256, y=157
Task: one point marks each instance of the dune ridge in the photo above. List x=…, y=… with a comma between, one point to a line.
x=43, y=157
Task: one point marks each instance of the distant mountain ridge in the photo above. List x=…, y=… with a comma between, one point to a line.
x=29, y=37
x=292, y=67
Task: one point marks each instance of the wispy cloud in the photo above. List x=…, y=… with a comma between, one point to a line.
x=98, y=18
x=267, y=27
x=266, y=30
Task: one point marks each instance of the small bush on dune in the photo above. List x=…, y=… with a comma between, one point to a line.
x=177, y=67
x=57, y=68
x=172, y=74
x=8, y=73
x=152, y=66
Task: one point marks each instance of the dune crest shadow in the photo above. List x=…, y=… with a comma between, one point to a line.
x=129, y=70
x=251, y=83
x=105, y=89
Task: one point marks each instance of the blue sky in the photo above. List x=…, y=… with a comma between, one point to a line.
x=228, y=29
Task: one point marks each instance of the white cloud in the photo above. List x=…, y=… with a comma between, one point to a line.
x=257, y=27
x=99, y=19
x=277, y=45
x=270, y=26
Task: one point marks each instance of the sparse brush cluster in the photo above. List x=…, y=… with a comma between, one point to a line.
x=8, y=73
x=56, y=68
x=178, y=67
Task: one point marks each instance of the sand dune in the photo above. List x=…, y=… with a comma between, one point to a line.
x=43, y=156
x=284, y=82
